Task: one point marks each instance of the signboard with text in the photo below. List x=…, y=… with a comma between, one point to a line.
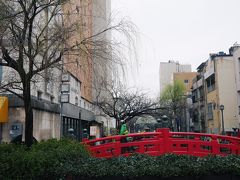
x=93, y=130
x=64, y=98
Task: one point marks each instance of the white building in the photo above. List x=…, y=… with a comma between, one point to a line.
x=102, y=67
x=167, y=69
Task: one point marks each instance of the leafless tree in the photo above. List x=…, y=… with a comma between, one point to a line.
x=125, y=104
x=34, y=38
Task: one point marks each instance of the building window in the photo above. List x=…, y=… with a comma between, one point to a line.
x=52, y=99
x=210, y=111
x=211, y=83
x=39, y=95
x=186, y=81
x=49, y=86
x=194, y=96
x=76, y=101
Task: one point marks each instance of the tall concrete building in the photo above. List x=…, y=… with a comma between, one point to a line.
x=216, y=88
x=167, y=69
x=198, y=99
x=221, y=90
x=102, y=63
x=93, y=69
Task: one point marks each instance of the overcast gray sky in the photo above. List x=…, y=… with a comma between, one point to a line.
x=182, y=30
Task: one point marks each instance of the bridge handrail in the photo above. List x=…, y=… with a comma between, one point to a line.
x=204, y=134
x=163, y=141
x=221, y=139
x=119, y=137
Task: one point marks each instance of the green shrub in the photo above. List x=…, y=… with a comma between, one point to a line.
x=40, y=161
x=169, y=165
x=54, y=159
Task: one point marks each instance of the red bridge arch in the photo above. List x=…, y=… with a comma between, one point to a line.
x=163, y=141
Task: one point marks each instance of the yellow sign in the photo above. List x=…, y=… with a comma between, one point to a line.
x=3, y=109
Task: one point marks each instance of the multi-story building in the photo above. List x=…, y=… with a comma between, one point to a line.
x=216, y=86
x=198, y=99
x=103, y=67
x=167, y=69
x=76, y=92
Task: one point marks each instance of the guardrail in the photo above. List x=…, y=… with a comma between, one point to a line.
x=163, y=141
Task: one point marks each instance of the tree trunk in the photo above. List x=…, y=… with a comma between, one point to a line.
x=28, y=114
x=118, y=125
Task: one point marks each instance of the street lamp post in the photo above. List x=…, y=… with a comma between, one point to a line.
x=164, y=119
x=159, y=123
x=162, y=122
x=222, y=108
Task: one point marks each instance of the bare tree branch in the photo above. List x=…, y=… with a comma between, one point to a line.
x=123, y=104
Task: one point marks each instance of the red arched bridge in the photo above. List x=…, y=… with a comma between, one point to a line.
x=163, y=141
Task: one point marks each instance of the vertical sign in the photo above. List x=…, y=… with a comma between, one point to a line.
x=93, y=130
x=3, y=109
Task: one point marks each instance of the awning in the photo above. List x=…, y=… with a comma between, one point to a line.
x=3, y=109
x=70, y=110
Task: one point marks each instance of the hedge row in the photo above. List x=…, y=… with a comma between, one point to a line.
x=169, y=165
x=63, y=159
x=42, y=160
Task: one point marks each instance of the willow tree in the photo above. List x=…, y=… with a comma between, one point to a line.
x=174, y=100
x=33, y=40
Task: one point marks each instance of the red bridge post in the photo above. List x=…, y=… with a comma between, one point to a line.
x=215, y=145
x=167, y=142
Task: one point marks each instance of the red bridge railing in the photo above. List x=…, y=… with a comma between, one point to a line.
x=163, y=141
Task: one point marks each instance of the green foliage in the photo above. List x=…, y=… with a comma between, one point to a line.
x=173, y=99
x=173, y=92
x=40, y=161
x=169, y=165
x=61, y=159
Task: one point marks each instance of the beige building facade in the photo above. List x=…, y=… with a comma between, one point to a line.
x=186, y=78
x=167, y=69
x=79, y=62
x=220, y=89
